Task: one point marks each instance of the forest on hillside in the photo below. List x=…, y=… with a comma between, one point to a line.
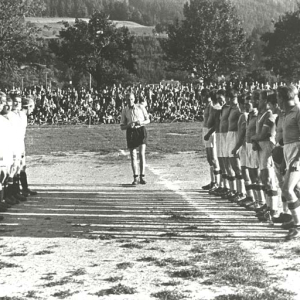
x=256, y=18
x=254, y=14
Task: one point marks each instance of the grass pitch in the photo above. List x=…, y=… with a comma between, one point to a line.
x=165, y=267
x=164, y=138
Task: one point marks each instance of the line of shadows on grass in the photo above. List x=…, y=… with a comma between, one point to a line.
x=64, y=294
x=168, y=295
x=253, y=294
x=120, y=214
x=4, y=264
x=119, y=289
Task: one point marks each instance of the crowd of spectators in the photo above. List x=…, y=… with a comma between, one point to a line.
x=165, y=102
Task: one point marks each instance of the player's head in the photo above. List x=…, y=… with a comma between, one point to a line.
x=233, y=96
x=204, y=95
x=2, y=101
x=221, y=97
x=263, y=99
x=248, y=104
x=255, y=98
x=241, y=102
x=213, y=96
x=130, y=98
x=16, y=101
x=28, y=105
x=272, y=103
x=294, y=93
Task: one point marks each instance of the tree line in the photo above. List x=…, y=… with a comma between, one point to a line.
x=254, y=14
x=210, y=40
x=143, y=12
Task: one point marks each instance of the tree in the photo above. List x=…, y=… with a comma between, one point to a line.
x=282, y=48
x=18, y=40
x=96, y=47
x=209, y=41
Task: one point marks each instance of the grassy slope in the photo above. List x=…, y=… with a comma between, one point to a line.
x=51, y=26
x=253, y=13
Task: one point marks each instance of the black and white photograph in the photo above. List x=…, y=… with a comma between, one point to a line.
x=150, y=149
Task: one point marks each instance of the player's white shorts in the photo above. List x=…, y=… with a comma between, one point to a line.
x=223, y=148
x=290, y=151
x=252, y=157
x=231, y=141
x=211, y=143
x=265, y=159
x=218, y=144
x=243, y=155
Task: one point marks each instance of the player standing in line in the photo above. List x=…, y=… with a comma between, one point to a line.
x=6, y=157
x=17, y=119
x=12, y=166
x=27, y=109
x=233, y=163
x=251, y=156
x=223, y=129
x=133, y=120
x=214, y=124
x=277, y=154
x=291, y=151
x=265, y=139
x=210, y=144
x=240, y=151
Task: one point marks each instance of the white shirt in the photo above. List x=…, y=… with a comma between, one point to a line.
x=136, y=113
x=6, y=142
x=19, y=123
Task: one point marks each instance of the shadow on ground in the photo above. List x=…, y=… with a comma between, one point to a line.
x=122, y=211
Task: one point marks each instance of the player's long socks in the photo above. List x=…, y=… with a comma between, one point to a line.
x=273, y=202
x=232, y=183
x=9, y=188
x=212, y=175
x=249, y=190
x=240, y=184
x=1, y=193
x=285, y=207
x=2, y=177
x=258, y=194
x=217, y=177
x=295, y=210
x=23, y=180
x=225, y=181
x=16, y=184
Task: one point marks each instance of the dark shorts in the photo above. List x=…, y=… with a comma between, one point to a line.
x=136, y=137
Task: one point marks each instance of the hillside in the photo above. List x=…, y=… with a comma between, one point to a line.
x=51, y=26
x=253, y=13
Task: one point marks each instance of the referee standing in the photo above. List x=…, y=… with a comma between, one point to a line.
x=133, y=120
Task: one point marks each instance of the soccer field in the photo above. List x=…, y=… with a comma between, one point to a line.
x=89, y=234
x=163, y=138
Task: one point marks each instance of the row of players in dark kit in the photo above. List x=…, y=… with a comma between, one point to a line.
x=252, y=142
